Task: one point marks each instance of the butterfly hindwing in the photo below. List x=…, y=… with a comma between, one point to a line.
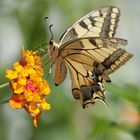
x=90, y=50
x=117, y=59
x=99, y=23
x=89, y=61
x=83, y=86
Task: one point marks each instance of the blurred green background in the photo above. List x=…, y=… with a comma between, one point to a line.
x=21, y=23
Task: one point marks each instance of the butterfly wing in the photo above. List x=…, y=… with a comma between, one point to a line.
x=104, y=51
x=89, y=61
x=60, y=71
x=99, y=23
x=83, y=85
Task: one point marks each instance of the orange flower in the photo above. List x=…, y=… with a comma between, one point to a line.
x=28, y=87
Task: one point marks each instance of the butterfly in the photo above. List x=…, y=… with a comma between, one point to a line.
x=89, y=50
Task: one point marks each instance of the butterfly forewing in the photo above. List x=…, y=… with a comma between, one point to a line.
x=99, y=23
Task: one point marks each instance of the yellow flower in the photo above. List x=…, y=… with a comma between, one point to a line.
x=18, y=89
x=45, y=105
x=28, y=87
x=18, y=67
x=15, y=104
x=11, y=74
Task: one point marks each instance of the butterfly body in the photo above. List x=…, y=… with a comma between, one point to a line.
x=53, y=50
x=89, y=50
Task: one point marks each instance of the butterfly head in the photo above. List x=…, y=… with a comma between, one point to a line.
x=53, y=47
x=53, y=50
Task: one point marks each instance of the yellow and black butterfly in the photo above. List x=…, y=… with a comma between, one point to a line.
x=90, y=52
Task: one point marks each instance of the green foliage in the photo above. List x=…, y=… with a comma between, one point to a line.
x=128, y=92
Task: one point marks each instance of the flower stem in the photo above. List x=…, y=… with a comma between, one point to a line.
x=4, y=85
x=3, y=102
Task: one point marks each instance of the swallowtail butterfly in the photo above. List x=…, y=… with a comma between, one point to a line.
x=89, y=50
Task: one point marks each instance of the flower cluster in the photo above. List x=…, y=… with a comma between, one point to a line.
x=28, y=87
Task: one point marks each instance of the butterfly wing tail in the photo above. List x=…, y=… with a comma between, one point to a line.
x=89, y=94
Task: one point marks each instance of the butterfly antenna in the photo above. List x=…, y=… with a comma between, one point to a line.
x=50, y=29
